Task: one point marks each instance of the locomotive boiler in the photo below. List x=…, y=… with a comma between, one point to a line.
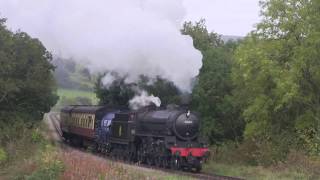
x=170, y=136
x=169, y=122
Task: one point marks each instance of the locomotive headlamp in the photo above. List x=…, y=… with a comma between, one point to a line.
x=188, y=113
x=133, y=131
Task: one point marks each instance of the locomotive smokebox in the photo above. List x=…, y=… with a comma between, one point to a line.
x=186, y=126
x=180, y=122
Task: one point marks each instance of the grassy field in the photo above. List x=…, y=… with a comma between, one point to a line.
x=72, y=93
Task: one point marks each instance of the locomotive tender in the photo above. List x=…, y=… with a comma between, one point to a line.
x=165, y=137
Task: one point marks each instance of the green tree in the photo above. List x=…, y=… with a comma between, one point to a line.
x=26, y=82
x=162, y=88
x=118, y=93
x=212, y=94
x=278, y=75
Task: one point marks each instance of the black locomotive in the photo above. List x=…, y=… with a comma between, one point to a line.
x=165, y=137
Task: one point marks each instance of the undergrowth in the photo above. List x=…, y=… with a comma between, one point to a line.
x=241, y=160
x=25, y=153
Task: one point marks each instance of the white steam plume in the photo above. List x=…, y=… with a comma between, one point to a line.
x=131, y=37
x=143, y=99
x=107, y=80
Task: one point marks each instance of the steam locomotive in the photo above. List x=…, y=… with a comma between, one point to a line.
x=164, y=137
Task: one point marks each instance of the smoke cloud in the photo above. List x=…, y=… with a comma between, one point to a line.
x=130, y=37
x=144, y=99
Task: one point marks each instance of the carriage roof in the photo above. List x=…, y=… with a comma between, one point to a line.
x=83, y=109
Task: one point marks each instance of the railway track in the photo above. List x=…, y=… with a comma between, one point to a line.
x=54, y=118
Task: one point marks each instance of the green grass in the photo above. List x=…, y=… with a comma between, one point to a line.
x=72, y=93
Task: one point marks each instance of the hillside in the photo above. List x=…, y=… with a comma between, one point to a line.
x=226, y=38
x=71, y=75
x=75, y=83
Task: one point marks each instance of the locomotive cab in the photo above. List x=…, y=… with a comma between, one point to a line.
x=104, y=129
x=123, y=127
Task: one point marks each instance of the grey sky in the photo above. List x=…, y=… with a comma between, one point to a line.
x=131, y=37
x=228, y=17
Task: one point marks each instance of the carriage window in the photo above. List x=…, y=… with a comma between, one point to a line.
x=87, y=123
x=82, y=122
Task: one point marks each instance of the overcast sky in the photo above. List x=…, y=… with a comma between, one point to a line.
x=228, y=17
x=132, y=37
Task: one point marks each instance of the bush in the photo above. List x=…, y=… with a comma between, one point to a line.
x=3, y=155
x=50, y=166
x=36, y=136
x=51, y=172
x=256, y=152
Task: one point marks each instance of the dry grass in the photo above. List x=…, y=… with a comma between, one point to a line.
x=84, y=166
x=80, y=165
x=36, y=156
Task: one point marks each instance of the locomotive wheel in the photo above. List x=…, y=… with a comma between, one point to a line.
x=130, y=157
x=115, y=155
x=164, y=162
x=175, y=163
x=121, y=155
x=112, y=155
x=150, y=161
x=158, y=161
x=126, y=157
x=140, y=156
x=198, y=169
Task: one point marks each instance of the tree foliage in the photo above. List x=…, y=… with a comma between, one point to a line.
x=119, y=92
x=212, y=94
x=72, y=75
x=162, y=88
x=278, y=75
x=26, y=80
